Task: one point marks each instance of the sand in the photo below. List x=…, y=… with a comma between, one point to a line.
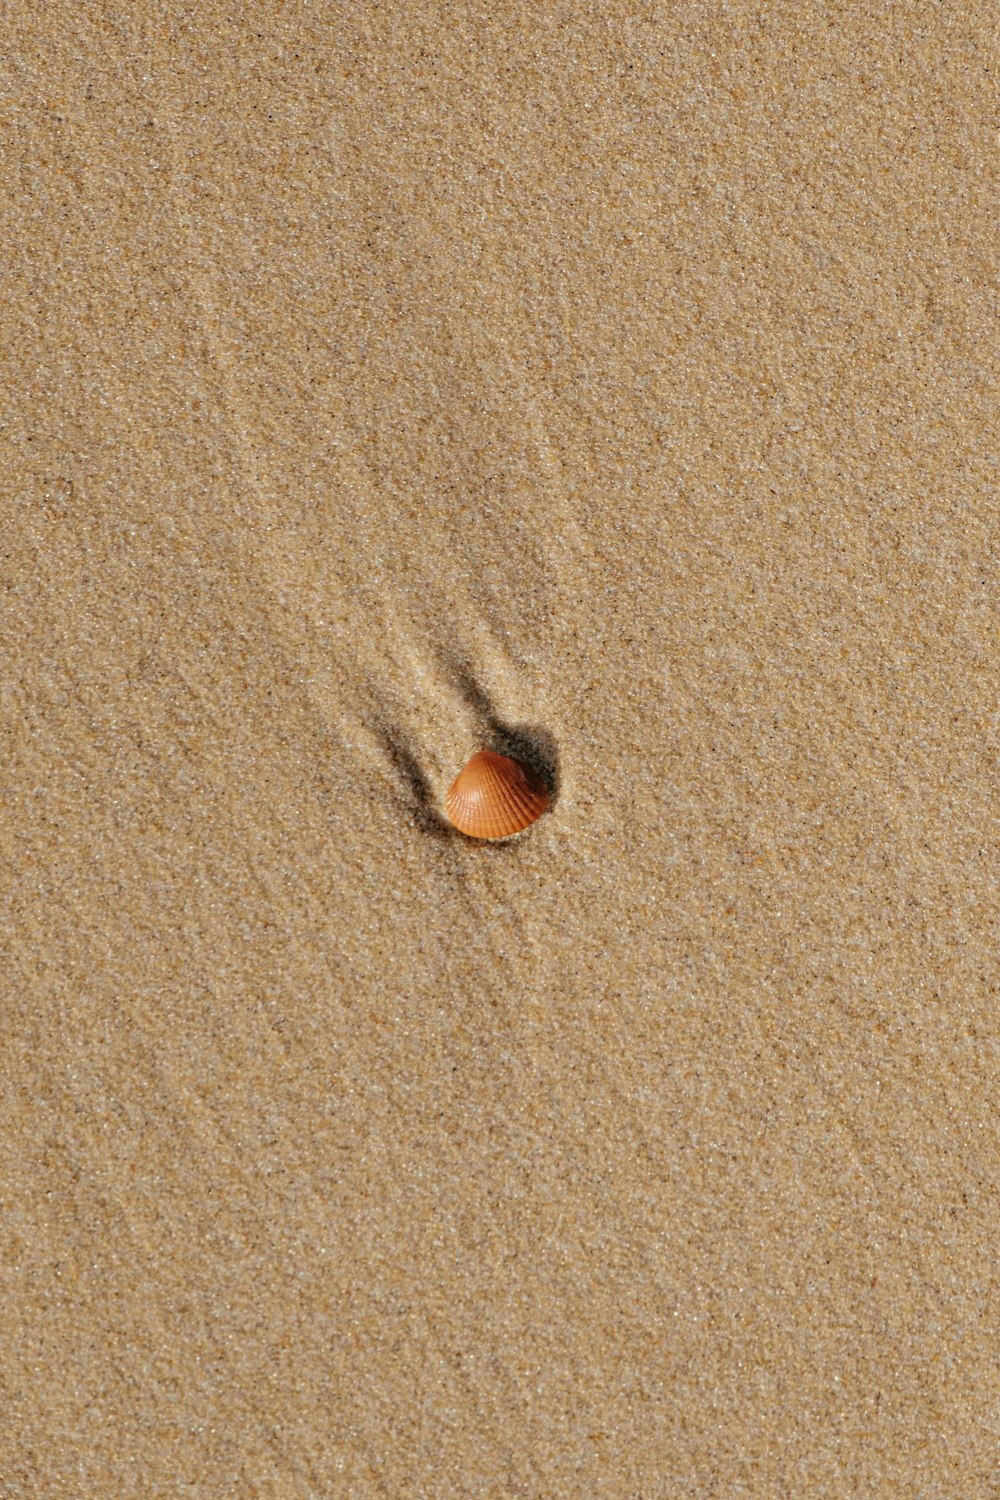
x=616, y=382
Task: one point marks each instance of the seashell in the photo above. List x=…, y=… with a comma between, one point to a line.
x=495, y=797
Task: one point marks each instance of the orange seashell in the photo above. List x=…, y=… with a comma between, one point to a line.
x=495, y=797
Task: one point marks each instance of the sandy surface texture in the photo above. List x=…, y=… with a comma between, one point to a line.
x=616, y=384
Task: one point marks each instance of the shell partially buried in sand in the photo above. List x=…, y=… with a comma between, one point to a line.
x=495, y=797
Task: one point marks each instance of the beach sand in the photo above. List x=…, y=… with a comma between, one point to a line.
x=615, y=383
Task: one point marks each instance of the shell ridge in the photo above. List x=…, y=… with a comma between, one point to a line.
x=511, y=798
x=516, y=803
x=518, y=807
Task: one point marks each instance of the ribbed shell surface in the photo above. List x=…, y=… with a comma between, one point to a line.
x=495, y=797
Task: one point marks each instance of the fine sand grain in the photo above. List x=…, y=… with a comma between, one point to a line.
x=612, y=383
